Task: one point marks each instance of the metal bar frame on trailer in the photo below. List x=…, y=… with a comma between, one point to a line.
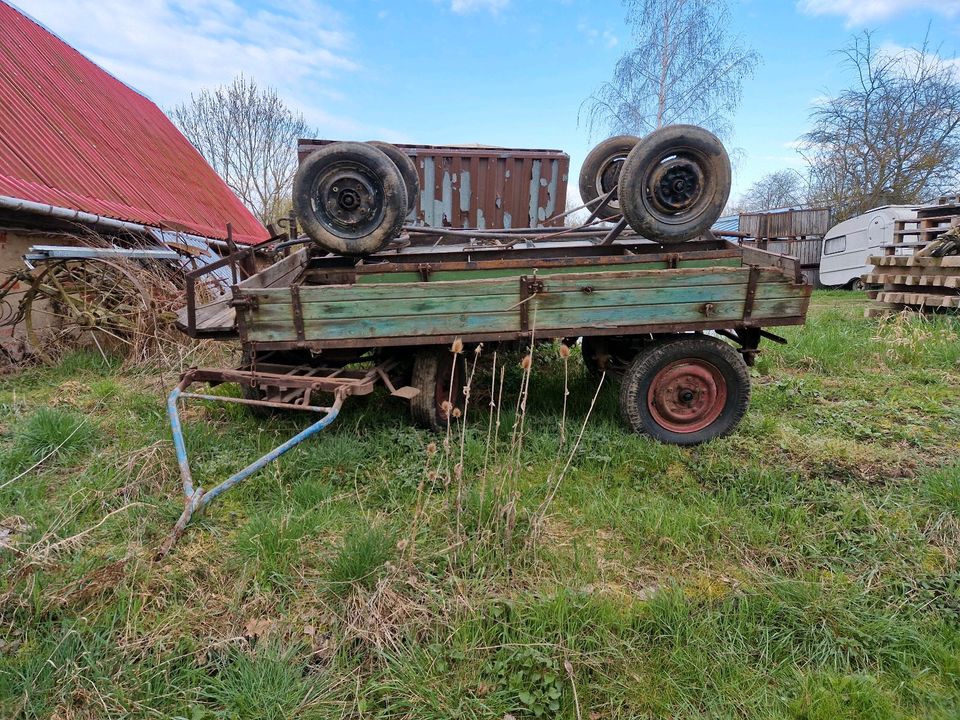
x=195, y=497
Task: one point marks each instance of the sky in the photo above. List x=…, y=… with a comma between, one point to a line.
x=498, y=72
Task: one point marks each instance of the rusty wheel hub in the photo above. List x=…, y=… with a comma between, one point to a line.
x=349, y=199
x=676, y=185
x=687, y=395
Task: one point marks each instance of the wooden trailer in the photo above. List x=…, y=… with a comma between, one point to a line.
x=312, y=319
x=650, y=294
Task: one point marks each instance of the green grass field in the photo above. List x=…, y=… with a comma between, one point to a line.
x=805, y=567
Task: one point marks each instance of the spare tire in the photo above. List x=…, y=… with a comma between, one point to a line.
x=601, y=171
x=407, y=168
x=675, y=183
x=350, y=198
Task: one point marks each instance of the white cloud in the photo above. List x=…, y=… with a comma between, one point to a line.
x=594, y=35
x=859, y=12
x=468, y=6
x=913, y=57
x=170, y=48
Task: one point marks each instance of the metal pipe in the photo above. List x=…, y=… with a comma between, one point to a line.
x=262, y=462
x=177, y=429
x=61, y=213
x=257, y=403
x=195, y=498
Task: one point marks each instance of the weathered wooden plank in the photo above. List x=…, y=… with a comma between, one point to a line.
x=373, y=278
x=360, y=328
x=320, y=312
x=280, y=272
x=217, y=316
x=556, y=294
x=925, y=299
x=674, y=313
x=657, y=279
x=911, y=261
x=544, y=317
x=945, y=281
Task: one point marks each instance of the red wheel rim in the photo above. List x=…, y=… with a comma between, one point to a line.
x=687, y=395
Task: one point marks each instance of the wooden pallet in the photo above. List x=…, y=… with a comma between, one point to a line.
x=928, y=300
x=922, y=284
x=931, y=222
x=904, y=261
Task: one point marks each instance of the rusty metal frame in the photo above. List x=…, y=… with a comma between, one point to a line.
x=242, y=263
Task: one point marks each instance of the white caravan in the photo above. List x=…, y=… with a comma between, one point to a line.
x=848, y=245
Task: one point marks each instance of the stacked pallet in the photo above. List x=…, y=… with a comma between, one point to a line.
x=908, y=274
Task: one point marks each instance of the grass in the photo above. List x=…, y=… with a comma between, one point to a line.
x=805, y=567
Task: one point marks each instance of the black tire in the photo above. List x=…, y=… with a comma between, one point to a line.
x=601, y=171
x=857, y=285
x=350, y=198
x=433, y=369
x=675, y=183
x=686, y=390
x=407, y=168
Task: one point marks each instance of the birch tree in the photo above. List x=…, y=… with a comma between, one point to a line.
x=683, y=67
x=249, y=136
x=780, y=189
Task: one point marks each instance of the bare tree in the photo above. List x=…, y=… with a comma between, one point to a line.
x=892, y=137
x=780, y=189
x=683, y=67
x=249, y=136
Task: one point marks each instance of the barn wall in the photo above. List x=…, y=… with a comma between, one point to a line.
x=13, y=245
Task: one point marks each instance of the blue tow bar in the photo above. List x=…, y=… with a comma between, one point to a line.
x=195, y=499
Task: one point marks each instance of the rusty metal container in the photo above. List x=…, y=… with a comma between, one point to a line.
x=482, y=186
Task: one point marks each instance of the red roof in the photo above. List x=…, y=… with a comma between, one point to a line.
x=74, y=136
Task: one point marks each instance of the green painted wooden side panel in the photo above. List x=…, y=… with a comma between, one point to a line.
x=357, y=328
x=562, y=297
x=724, y=313
x=463, y=275
x=451, y=291
x=730, y=310
x=600, y=300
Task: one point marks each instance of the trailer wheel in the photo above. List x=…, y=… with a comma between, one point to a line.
x=601, y=170
x=350, y=198
x=407, y=168
x=686, y=390
x=439, y=378
x=674, y=183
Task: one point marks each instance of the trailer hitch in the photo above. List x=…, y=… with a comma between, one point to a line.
x=196, y=498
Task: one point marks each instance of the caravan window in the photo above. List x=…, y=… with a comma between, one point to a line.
x=835, y=245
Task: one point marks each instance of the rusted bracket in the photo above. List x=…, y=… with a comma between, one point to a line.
x=751, y=291
x=297, y=312
x=424, y=271
x=250, y=302
x=528, y=288
x=615, y=232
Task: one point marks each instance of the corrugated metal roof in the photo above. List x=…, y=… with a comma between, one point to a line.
x=73, y=136
x=728, y=223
